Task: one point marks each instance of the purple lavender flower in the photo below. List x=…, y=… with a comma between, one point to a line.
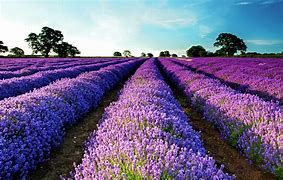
x=145, y=134
x=247, y=121
x=32, y=124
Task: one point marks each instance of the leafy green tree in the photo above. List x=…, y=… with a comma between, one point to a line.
x=230, y=44
x=196, y=51
x=45, y=41
x=174, y=55
x=161, y=54
x=16, y=51
x=127, y=53
x=117, y=53
x=143, y=54
x=34, y=43
x=65, y=49
x=72, y=51
x=3, y=48
x=164, y=54
x=167, y=53
x=220, y=52
x=150, y=55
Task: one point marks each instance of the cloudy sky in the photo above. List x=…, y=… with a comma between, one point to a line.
x=100, y=27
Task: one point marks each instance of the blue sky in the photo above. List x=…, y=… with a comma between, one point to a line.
x=104, y=26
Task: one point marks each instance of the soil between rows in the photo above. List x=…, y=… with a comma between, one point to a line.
x=223, y=153
x=72, y=148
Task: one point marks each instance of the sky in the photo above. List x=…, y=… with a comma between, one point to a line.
x=100, y=27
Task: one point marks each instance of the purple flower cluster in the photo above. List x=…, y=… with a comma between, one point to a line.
x=260, y=76
x=248, y=122
x=31, y=66
x=32, y=124
x=146, y=135
x=14, y=64
x=16, y=86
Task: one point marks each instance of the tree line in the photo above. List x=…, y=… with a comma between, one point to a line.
x=45, y=42
x=228, y=44
x=127, y=53
x=50, y=40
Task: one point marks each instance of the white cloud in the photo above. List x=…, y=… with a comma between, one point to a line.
x=261, y=2
x=109, y=29
x=266, y=2
x=263, y=42
x=169, y=18
x=204, y=30
x=244, y=3
x=116, y=29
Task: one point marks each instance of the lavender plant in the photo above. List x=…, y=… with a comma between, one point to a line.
x=248, y=122
x=146, y=135
x=33, y=124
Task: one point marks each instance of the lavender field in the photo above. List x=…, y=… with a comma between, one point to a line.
x=146, y=133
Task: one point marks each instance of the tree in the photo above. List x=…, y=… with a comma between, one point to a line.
x=167, y=53
x=150, y=55
x=117, y=53
x=196, y=51
x=65, y=49
x=16, y=51
x=174, y=55
x=61, y=49
x=164, y=54
x=127, y=53
x=33, y=42
x=143, y=54
x=72, y=51
x=230, y=44
x=3, y=48
x=161, y=54
x=220, y=52
x=45, y=41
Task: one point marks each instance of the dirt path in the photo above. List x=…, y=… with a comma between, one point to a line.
x=72, y=148
x=219, y=149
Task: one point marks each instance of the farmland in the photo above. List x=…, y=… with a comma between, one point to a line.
x=137, y=118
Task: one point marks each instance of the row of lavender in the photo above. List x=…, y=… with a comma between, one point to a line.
x=16, y=86
x=263, y=77
x=19, y=63
x=249, y=123
x=146, y=135
x=31, y=125
x=14, y=64
x=271, y=68
x=34, y=68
